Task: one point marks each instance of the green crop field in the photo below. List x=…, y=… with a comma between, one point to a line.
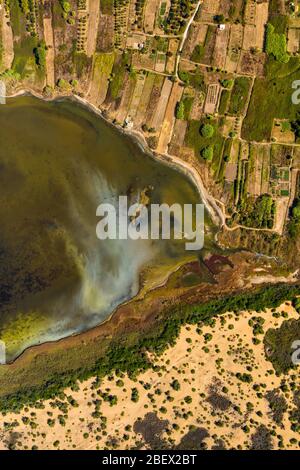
x=275, y=88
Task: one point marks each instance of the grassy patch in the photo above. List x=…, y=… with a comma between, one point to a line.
x=276, y=44
x=24, y=61
x=279, y=22
x=198, y=53
x=195, y=79
x=24, y=46
x=271, y=98
x=239, y=96
x=224, y=100
x=187, y=103
x=107, y=7
x=196, y=140
x=82, y=64
x=118, y=75
x=258, y=213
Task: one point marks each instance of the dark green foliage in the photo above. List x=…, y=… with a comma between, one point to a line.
x=207, y=131
x=175, y=385
x=179, y=110
x=179, y=12
x=40, y=54
x=219, y=19
x=278, y=344
x=258, y=213
x=239, y=95
x=243, y=377
x=135, y=395
x=278, y=405
x=294, y=223
x=296, y=304
x=132, y=358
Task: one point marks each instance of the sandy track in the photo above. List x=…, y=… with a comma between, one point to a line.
x=93, y=8
x=49, y=39
x=169, y=120
x=7, y=41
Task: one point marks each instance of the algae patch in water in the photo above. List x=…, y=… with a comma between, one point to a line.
x=58, y=162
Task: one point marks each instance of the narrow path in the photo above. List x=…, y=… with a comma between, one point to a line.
x=185, y=34
x=207, y=66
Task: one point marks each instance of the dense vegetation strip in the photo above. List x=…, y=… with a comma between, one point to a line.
x=129, y=354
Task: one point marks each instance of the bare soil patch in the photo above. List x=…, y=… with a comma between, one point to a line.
x=48, y=35
x=7, y=42
x=157, y=119
x=169, y=119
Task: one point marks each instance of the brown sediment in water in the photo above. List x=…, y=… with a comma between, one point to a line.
x=75, y=183
x=140, y=315
x=229, y=275
x=187, y=169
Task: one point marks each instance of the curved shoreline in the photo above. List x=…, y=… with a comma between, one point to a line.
x=177, y=164
x=188, y=170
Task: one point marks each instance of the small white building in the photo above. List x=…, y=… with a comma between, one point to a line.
x=221, y=27
x=128, y=124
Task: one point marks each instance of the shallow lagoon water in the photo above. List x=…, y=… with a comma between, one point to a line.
x=58, y=162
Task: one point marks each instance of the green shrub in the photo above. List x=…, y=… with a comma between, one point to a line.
x=276, y=44
x=180, y=110
x=207, y=153
x=133, y=358
x=40, y=54
x=207, y=131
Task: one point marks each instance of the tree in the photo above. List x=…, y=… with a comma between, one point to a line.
x=134, y=395
x=296, y=211
x=207, y=131
x=226, y=83
x=207, y=153
x=40, y=54
x=219, y=19
x=175, y=385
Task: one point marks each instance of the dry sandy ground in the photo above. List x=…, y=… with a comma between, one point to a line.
x=150, y=15
x=93, y=8
x=219, y=56
x=173, y=46
x=262, y=13
x=293, y=40
x=7, y=41
x=235, y=41
x=249, y=37
x=210, y=400
x=49, y=40
x=158, y=117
